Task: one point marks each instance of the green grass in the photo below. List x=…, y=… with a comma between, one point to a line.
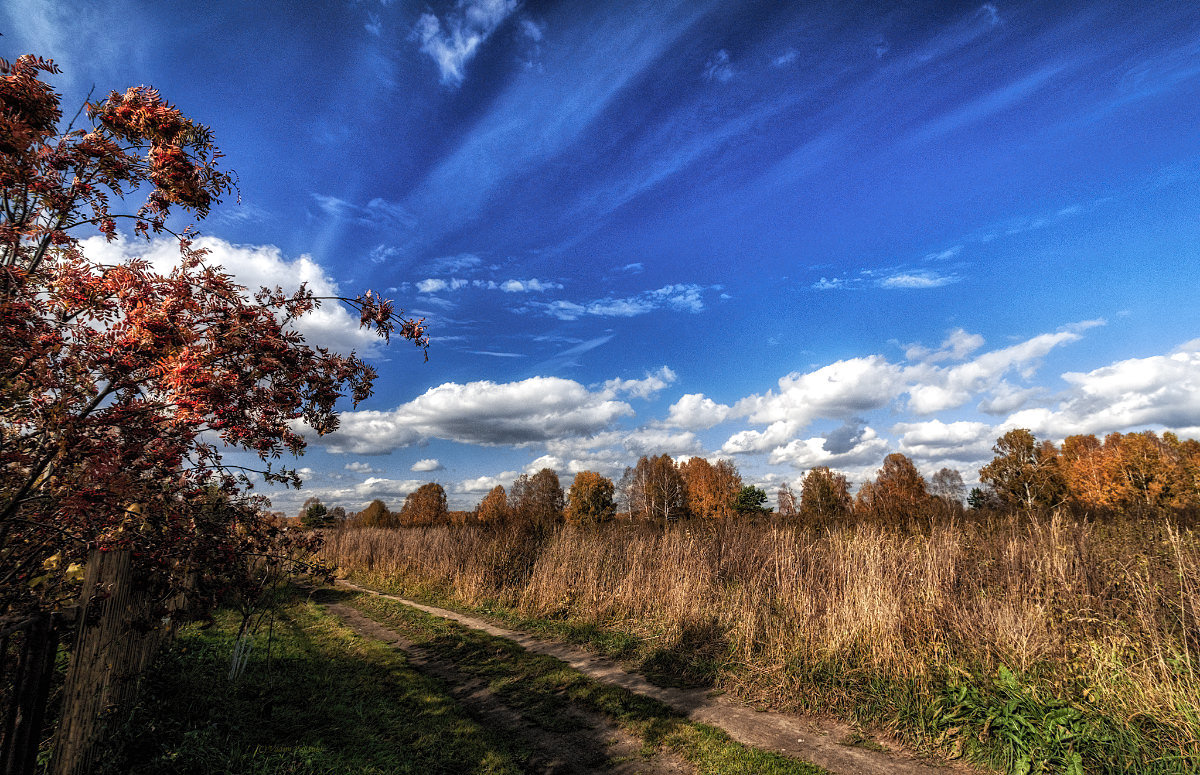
x=545, y=687
x=331, y=702
x=1013, y=722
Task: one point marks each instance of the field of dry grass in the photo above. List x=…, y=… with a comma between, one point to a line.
x=1013, y=641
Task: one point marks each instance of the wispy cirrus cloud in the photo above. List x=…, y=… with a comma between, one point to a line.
x=679, y=297
x=378, y=212
x=453, y=40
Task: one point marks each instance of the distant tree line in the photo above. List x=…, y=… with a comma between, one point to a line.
x=1134, y=474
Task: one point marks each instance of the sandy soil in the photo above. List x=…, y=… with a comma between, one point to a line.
x=819, y=741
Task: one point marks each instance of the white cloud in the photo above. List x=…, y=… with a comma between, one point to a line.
x=834, y=284
x=533, y=30
x=453, y=41
x=751, y=441
x=1158, y=391
x=660, y=441
x=428, y=464
x=386, y=489
x=330, y=325
x=839, y=390
x=786, y=58
x=936, y=440
x=552, y=462
x=528, y=286
x=935, y=389
x=681, y=297
x=696, y=412
x=378, y=212
x=532, y=410
x=868, y=449
x=958, y=345
x=360, y=467
x=483, y=484
x=718, y=68
x=945, y=255
x=641, y=388
x=463, y=262
x=437, y=285
x=917, y=280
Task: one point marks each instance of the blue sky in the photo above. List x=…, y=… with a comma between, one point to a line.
x=791, y=234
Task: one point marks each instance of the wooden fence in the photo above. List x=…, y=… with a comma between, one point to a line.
x=115, y=639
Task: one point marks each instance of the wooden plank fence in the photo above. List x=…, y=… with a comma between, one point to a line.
x=115, y=638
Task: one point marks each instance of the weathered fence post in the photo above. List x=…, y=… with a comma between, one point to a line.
x=116, y=641
x=34, y=671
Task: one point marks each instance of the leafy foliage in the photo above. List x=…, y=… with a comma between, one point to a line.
x=119, y=385
x=591, y=499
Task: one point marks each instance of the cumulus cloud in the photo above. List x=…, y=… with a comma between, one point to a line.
x=937, y=389
x=455, y=39
x=867, y=448
x=483, y=484
x=936, y=440
x=696, y=412
x=489, y=413
x=842, y=389
x=1158, y=391
x=661, y=441
x=428, y=464
x=847, y=390
x=751, y=441
x=254, y=266
x=360, y=467
x=642, y=388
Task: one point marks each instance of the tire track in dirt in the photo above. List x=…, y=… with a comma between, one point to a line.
x=578, y=743
x=804, y=737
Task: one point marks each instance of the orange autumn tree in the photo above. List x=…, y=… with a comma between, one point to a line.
x=710, y=490
x=425, y=506
x=590, y=500
x=494, y=506
x=121, y=386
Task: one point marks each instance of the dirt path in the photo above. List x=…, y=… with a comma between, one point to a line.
x=816, y=741
x=579, y=744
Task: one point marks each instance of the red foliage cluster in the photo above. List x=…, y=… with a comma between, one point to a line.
x=120, y=386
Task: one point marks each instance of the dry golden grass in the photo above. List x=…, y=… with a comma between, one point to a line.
x=1105, y=617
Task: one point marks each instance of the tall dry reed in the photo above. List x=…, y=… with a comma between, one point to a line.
x=1104, y=616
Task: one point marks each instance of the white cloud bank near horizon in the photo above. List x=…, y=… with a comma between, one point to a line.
x=914, y=405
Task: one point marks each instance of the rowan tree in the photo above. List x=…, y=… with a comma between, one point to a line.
x=119, y=385
x=425, y=506
x=590, y=500
x=494, y=506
